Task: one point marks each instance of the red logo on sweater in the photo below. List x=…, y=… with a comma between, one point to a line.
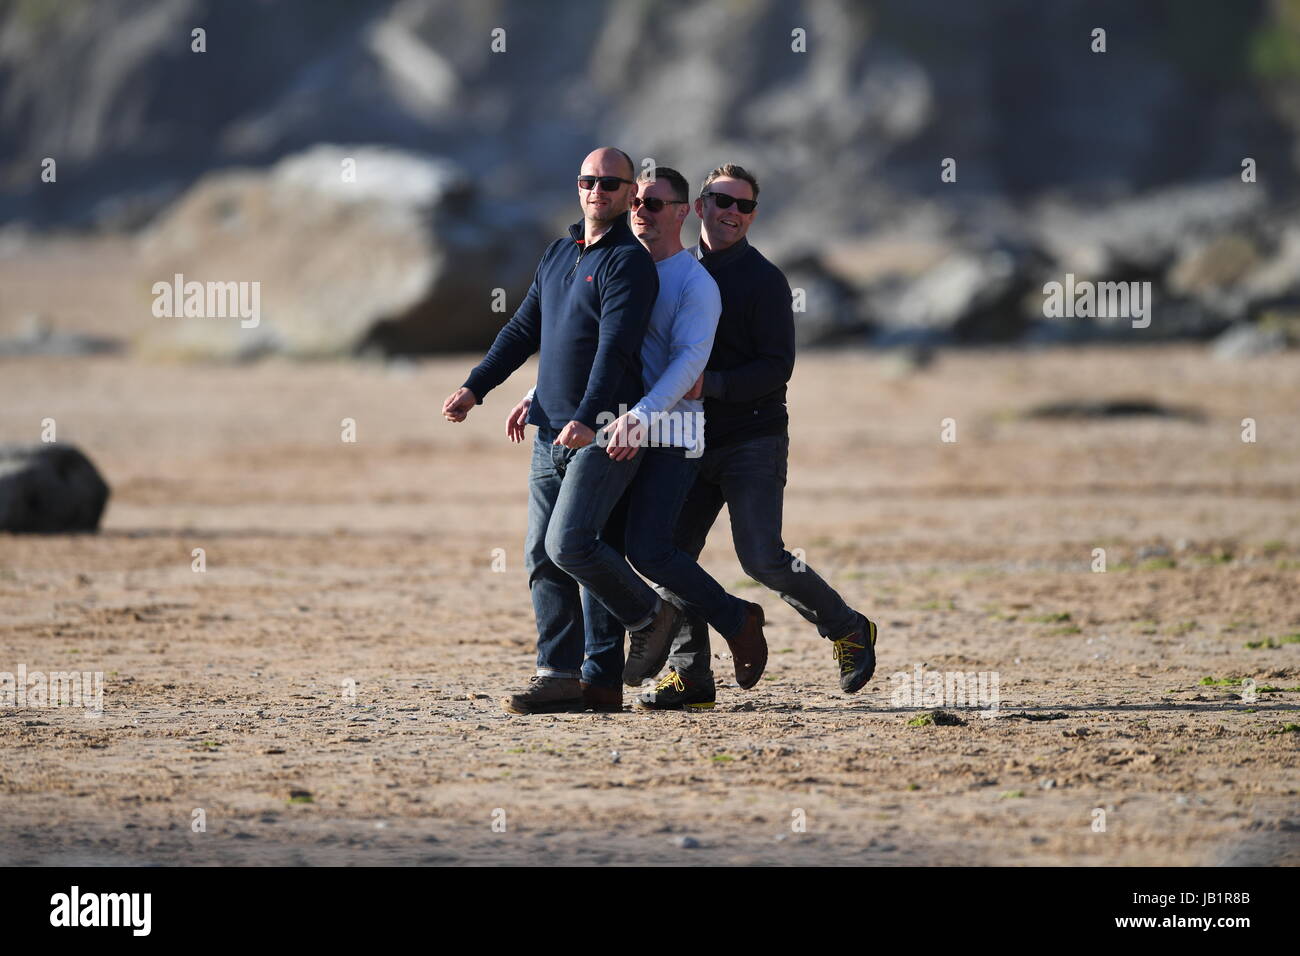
x=588, y=278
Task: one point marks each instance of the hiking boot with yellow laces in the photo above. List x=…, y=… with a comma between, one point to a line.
x=679, y=692
x=856, y=656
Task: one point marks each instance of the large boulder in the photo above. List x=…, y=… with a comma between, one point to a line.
x=919, y=289
x=1143, y=235
x=1240, y=274
x=49, y=489
x=353, y=248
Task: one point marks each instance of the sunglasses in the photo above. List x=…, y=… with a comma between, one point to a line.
x=607, y=183
x=653, y=204
x=724, y=201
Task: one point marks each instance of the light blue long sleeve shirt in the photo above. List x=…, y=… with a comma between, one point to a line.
x=676, y=349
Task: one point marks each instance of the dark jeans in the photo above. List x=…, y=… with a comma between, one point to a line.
x=749, y=477
x=571, y=494
x=645, y=519
x=604, y=632
x=655, y=504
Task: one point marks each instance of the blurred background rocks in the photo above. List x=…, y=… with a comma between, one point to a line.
x=223, y=165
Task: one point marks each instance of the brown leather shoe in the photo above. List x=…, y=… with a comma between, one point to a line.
x=749, y=648
x=546, y=695
x=603, y=700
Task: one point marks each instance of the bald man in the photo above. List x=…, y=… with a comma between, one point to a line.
x=586, y=312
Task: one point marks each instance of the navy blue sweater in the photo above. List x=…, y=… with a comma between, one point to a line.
x=753, y=350
x=587, y=311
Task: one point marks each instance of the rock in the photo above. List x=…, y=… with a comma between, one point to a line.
x=847, y=141
x=403, y=260
x=1213, y=272
x=1277, y=277
x=884, y=255
x=1243, y=273
x=825, y=305
x=38, y=337
x=687, y=843
x=1112, y=408
x=867, y=107
x=1245, y=340
x=936, y=718
x=973, y=294
x=1143, y=234
x=49, y=489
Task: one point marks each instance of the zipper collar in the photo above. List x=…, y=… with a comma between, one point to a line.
x=716, y=260
x=618, y=229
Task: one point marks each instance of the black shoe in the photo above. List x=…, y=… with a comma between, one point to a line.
x=856, y=656
x=546, y=695
x=676, y=692
x=648, y=648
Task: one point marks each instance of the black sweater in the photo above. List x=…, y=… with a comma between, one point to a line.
x=587, y=311
x=753, y=351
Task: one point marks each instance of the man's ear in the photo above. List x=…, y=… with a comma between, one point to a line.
x=699, y=208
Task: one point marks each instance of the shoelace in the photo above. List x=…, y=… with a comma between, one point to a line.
x=674, y=681
x=844, y=656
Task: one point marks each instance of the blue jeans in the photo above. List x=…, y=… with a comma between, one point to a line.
x=655, y=503
x=642, y=526
x=749, y=477
x=571, y=494
x=604, y=633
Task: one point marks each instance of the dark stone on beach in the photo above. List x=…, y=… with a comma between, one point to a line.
x=1112, y=408
x=49, y=489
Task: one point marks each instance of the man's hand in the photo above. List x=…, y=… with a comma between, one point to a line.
x=625, y=436
x=458, y=404
x=697, y=389
x=517, y=420
x=575, y=435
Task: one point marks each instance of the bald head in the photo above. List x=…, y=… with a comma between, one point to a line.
x=601, y=206
x=609, y=161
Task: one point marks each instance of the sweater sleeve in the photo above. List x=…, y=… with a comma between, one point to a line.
x=694, y=325
x=518, y=339
x=627, y=296
x=772, y=328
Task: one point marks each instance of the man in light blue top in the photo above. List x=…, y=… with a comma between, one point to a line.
x=670, y=426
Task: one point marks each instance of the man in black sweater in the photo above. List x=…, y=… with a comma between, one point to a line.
x=747, y=444
x=586, y=311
